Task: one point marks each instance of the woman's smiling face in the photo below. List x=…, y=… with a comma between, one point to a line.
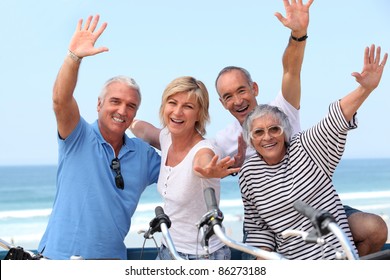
x=181, y=112
x=271, y=147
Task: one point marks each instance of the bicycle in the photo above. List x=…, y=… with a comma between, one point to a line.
x=213, y=221
x=322, y=221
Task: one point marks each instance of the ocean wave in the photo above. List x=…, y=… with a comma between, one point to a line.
x=365, y=195
x=23, y=214
x=143, y=207
x=146, y=207
x=357, y=199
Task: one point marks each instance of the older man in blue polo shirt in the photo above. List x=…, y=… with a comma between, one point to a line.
x=101, y=172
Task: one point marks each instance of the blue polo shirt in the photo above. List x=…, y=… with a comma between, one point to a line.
x=91, y=216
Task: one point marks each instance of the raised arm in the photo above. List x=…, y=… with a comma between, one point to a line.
x=147, y=132
x=297, y=20
x=368, y=80
x=81, y=45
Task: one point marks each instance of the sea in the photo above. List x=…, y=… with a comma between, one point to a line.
x=27, y=194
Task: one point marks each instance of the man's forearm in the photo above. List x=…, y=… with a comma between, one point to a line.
x=66, y=81
x=64, y=105
x=292, y=66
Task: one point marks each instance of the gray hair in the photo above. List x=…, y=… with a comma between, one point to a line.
x=267, y=110
x=130, y=82
x=232, y=68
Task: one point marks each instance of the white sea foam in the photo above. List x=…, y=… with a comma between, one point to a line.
x=31, y=213
x=365, y=195
x=355, y=197
x=145, y=207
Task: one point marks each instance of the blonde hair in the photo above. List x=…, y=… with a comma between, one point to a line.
x=192, y=86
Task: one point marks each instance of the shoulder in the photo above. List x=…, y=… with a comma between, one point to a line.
x=205, y=143
x=164, y=134
x=82, y=129
x=283, y=104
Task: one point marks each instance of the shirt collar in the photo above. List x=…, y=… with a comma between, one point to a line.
x=128, y=145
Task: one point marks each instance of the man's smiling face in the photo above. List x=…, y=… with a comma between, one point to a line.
x=236, y=94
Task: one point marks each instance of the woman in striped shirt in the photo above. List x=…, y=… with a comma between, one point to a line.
x=285, y=170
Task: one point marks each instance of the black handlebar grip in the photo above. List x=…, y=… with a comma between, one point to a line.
x=305, y=209
x=159, y=211
x=209, y=197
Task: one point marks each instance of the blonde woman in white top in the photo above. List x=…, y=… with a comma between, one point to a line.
x=189, y=164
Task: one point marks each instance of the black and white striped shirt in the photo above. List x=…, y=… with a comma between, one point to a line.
x=305, y=173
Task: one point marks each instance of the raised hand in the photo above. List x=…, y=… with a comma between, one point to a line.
x=217, y=169
x=83, y=41
x=297, y=15
x=368, y=80
x=239, y=158
x=372, y=71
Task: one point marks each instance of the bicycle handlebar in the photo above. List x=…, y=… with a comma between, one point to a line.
x=319, y=218
x=155, y=223
x=5, y=244
x=214, y=217
x=18, y=253
x=162, y=223
x=159, y=211
x=324, y=223
x=210, y=199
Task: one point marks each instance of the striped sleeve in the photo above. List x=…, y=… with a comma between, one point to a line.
x=325, y=142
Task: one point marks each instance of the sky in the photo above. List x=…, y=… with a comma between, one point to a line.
x=157, y=41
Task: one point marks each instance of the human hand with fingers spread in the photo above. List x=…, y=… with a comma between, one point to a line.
x=83, y=41
x=217, y=169
x=368, y=80
x=239, y=158
x=297, y=16
x=372, y=71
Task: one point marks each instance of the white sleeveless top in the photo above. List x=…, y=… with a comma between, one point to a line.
x=182, y=192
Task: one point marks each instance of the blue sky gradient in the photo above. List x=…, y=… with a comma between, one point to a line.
x=157, y=41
